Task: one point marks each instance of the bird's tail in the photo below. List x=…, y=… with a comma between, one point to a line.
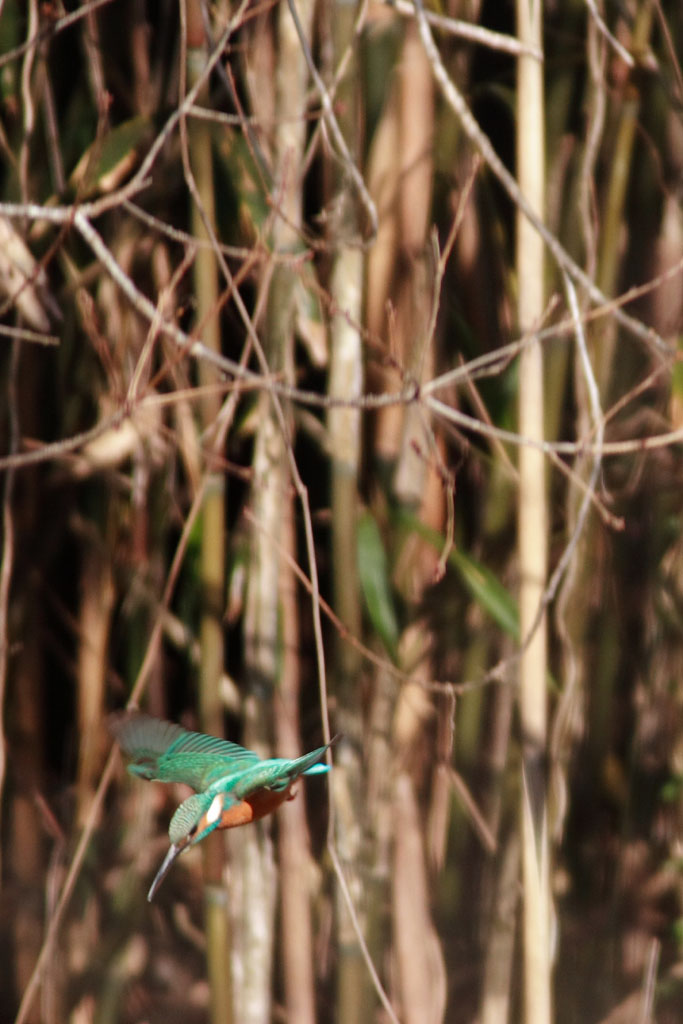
x=311, y=764
x=307, y=764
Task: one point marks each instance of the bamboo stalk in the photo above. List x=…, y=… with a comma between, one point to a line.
x=25, y=857
x=293, y=846
x=97, y=601
x=532, y=530
x=266, y=658
x=212, y=555
x=421, y=969
x=496, y=988
x=346, y=373
x=355, y=999
x=253, y=905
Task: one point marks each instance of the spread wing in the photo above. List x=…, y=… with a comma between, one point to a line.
x=166, y=752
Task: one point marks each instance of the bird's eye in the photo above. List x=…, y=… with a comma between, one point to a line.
x=193, y=831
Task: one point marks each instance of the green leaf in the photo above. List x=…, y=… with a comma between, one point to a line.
x=671, y=790
x=488, y=591
x=240, y=174
x=373, y=571
x=11, y=24
x=109, y=160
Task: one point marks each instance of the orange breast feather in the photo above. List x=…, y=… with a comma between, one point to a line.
x=258, y=805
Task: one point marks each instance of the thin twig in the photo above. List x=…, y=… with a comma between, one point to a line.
x=650, y=982
x=597, y=108
x=466, y=30
x=478, y=820
x=29, y=110
x=609, y=36
x=26, y=334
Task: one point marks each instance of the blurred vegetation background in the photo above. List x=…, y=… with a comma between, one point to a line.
x=286, y=381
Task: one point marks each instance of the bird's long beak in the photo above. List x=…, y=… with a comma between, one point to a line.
x=173, y=852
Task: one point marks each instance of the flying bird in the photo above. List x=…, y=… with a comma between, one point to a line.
x=233, y=786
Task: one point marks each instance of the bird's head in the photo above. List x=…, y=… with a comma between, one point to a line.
x=193, y=821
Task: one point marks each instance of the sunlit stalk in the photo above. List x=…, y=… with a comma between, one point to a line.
x=532, y=529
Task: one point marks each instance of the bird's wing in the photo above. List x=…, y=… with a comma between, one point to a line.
x=186, y=816
x=166, y=752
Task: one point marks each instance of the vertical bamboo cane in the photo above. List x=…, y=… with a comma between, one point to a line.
x=296, y=928
x=269, y=624
x=532, y=529
x=354, y=998
x=295, y=860
x=212, y=540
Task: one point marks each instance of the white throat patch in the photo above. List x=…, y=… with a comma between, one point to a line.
x=215, y=810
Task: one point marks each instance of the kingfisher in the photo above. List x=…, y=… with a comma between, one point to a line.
x=233, y=786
